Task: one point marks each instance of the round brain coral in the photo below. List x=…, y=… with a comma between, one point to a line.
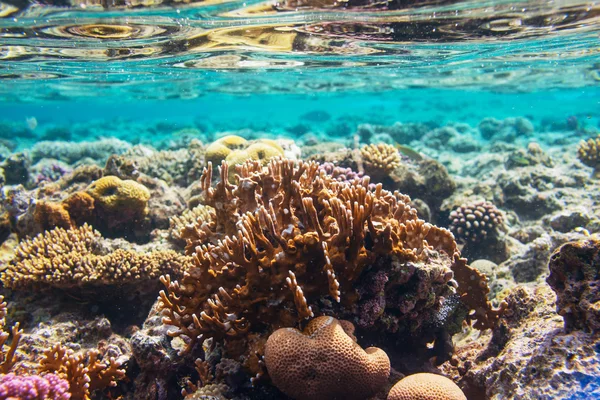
x=426, y=386
x=476, y=221
x=218, y=150
x=324, y=362
x=113, y=193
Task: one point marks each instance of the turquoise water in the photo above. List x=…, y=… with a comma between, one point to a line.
x=485, y=111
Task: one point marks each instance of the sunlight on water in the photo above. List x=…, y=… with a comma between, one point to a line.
x=293, y=46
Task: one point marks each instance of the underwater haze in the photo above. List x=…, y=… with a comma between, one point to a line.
x=299, y=199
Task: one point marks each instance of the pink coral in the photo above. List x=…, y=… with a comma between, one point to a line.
x=46, y=387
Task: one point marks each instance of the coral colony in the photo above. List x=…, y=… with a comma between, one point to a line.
x=268, y=268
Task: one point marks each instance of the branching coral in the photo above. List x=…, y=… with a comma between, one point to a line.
x=324, y=362
x=379, y=160
x=589, y=154
x=193, y=226
x=288, y=235
x=46, y=387
x=7, y=356
x=71, y=258
x=85, y=373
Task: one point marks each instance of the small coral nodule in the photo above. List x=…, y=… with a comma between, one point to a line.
x=589, y=154
x=379, y=160
x=475, y=222
x=426, y=386
x=324, y=362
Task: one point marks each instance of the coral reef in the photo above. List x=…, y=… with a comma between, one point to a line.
x=192, y=226
x=527, y=355
x=507, y=130
x=324, y=361
x=574, y=276
x=426, y=386
x=589, y=154
x=73, y=258
x=295, y=238
x=71, y=152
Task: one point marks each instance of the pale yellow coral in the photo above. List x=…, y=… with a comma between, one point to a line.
x=426, y=386
x=589, y=154
x=218, y=150
x=112, y=193
x=193, y=226
x=379, y=160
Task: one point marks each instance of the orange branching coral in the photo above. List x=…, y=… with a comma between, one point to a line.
x=7, y=356
x=71, y=258
x=288, y=235
x=324, y=362
x=379, y=160
x=85, y=372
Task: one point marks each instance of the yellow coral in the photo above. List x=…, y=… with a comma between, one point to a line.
x=264, y=150
x=589, y=154
x=193, y=226
x=113, y=193
x=218, y=150
x=380, y=160
x=69, y=258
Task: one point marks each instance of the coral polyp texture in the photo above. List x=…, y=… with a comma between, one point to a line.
x=379, y=160
x=575, y=277
x=426, y=386
x=290, y=242
x=589, y=154
x=193, y=226
x=67, y=258
x=324, y=362
x=46, y=387
x=236, y=150
x=476, y=222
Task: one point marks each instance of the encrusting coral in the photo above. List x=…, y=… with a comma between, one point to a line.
x=324, y=362
x=73, y=258
x=575, y=277
x=589, y=154
x=379, y=160
x=426, y=386
x=288, y=236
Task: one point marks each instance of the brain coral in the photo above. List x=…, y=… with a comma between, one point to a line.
x=288, y=236
x=324, y=362
x=425, y=386
x=218, y=150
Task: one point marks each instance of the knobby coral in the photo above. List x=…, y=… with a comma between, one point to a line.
x=324, y=362
x=379, y=160
x=476, y=221
x=426, y=386
x=193, y=226
x=72, y=258
x=34, y=387
x=589, y=154
x=287, y=236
